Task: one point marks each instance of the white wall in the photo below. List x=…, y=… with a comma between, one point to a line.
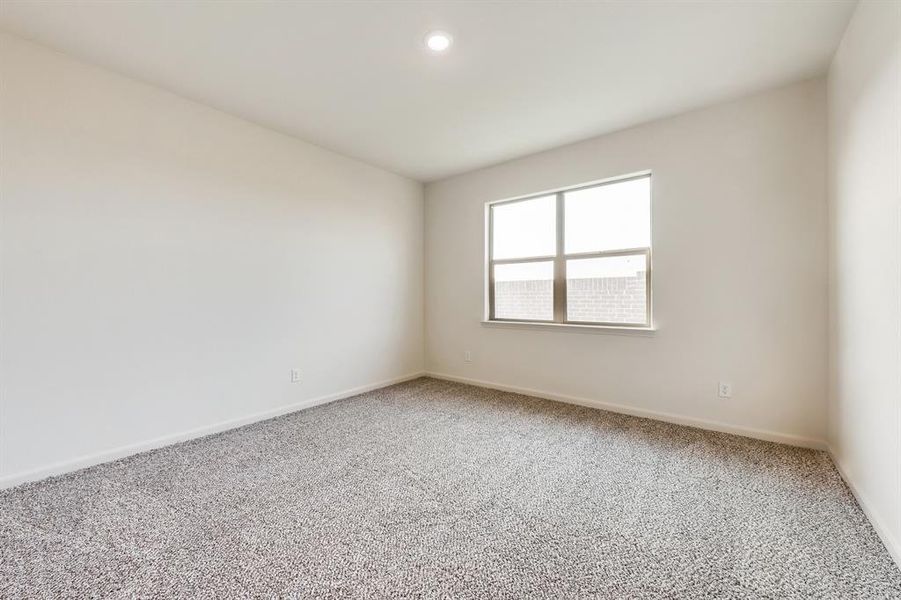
x=165, y=265
x=864, y=99
x=739, y=242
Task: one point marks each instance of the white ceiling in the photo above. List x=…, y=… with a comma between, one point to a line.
x=521, y=77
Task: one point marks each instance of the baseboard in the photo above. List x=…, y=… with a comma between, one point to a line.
x=760, y=434
x=168, y=440
x=891, y=543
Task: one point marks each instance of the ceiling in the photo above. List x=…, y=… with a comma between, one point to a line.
x=354, y=77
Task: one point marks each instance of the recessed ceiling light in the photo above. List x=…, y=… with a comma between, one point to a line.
x=438, y=41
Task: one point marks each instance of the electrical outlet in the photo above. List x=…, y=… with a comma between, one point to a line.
x=295, y=375
x=724, y=390
x=467, y=356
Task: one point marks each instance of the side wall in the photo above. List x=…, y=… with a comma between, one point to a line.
x=739, y=242
x=864, y=100
x=165, y=266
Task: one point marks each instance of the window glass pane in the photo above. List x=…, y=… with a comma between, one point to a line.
x=615, y=216
x=524, y=229
x=524, y=291
x=611, y=289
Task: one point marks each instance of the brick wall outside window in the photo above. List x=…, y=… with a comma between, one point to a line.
x=599, y=299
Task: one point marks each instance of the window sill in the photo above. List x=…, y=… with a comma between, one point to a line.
x=571, y=327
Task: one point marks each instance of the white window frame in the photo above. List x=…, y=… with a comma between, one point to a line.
x=560, y=257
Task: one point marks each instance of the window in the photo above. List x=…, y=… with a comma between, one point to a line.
x=580, y=256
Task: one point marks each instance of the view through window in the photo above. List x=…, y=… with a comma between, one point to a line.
x=579, y=256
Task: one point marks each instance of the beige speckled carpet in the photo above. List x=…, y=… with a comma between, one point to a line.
x=433, y=489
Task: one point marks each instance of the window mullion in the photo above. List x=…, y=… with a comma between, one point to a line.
x=560, y=266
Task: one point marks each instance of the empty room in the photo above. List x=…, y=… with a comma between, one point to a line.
x=450, y=299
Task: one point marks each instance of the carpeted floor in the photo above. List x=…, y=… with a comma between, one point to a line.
x=433, y=489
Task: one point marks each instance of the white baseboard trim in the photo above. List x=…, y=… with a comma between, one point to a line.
x=891, y=543
x=168, y=440
x=760, y=434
